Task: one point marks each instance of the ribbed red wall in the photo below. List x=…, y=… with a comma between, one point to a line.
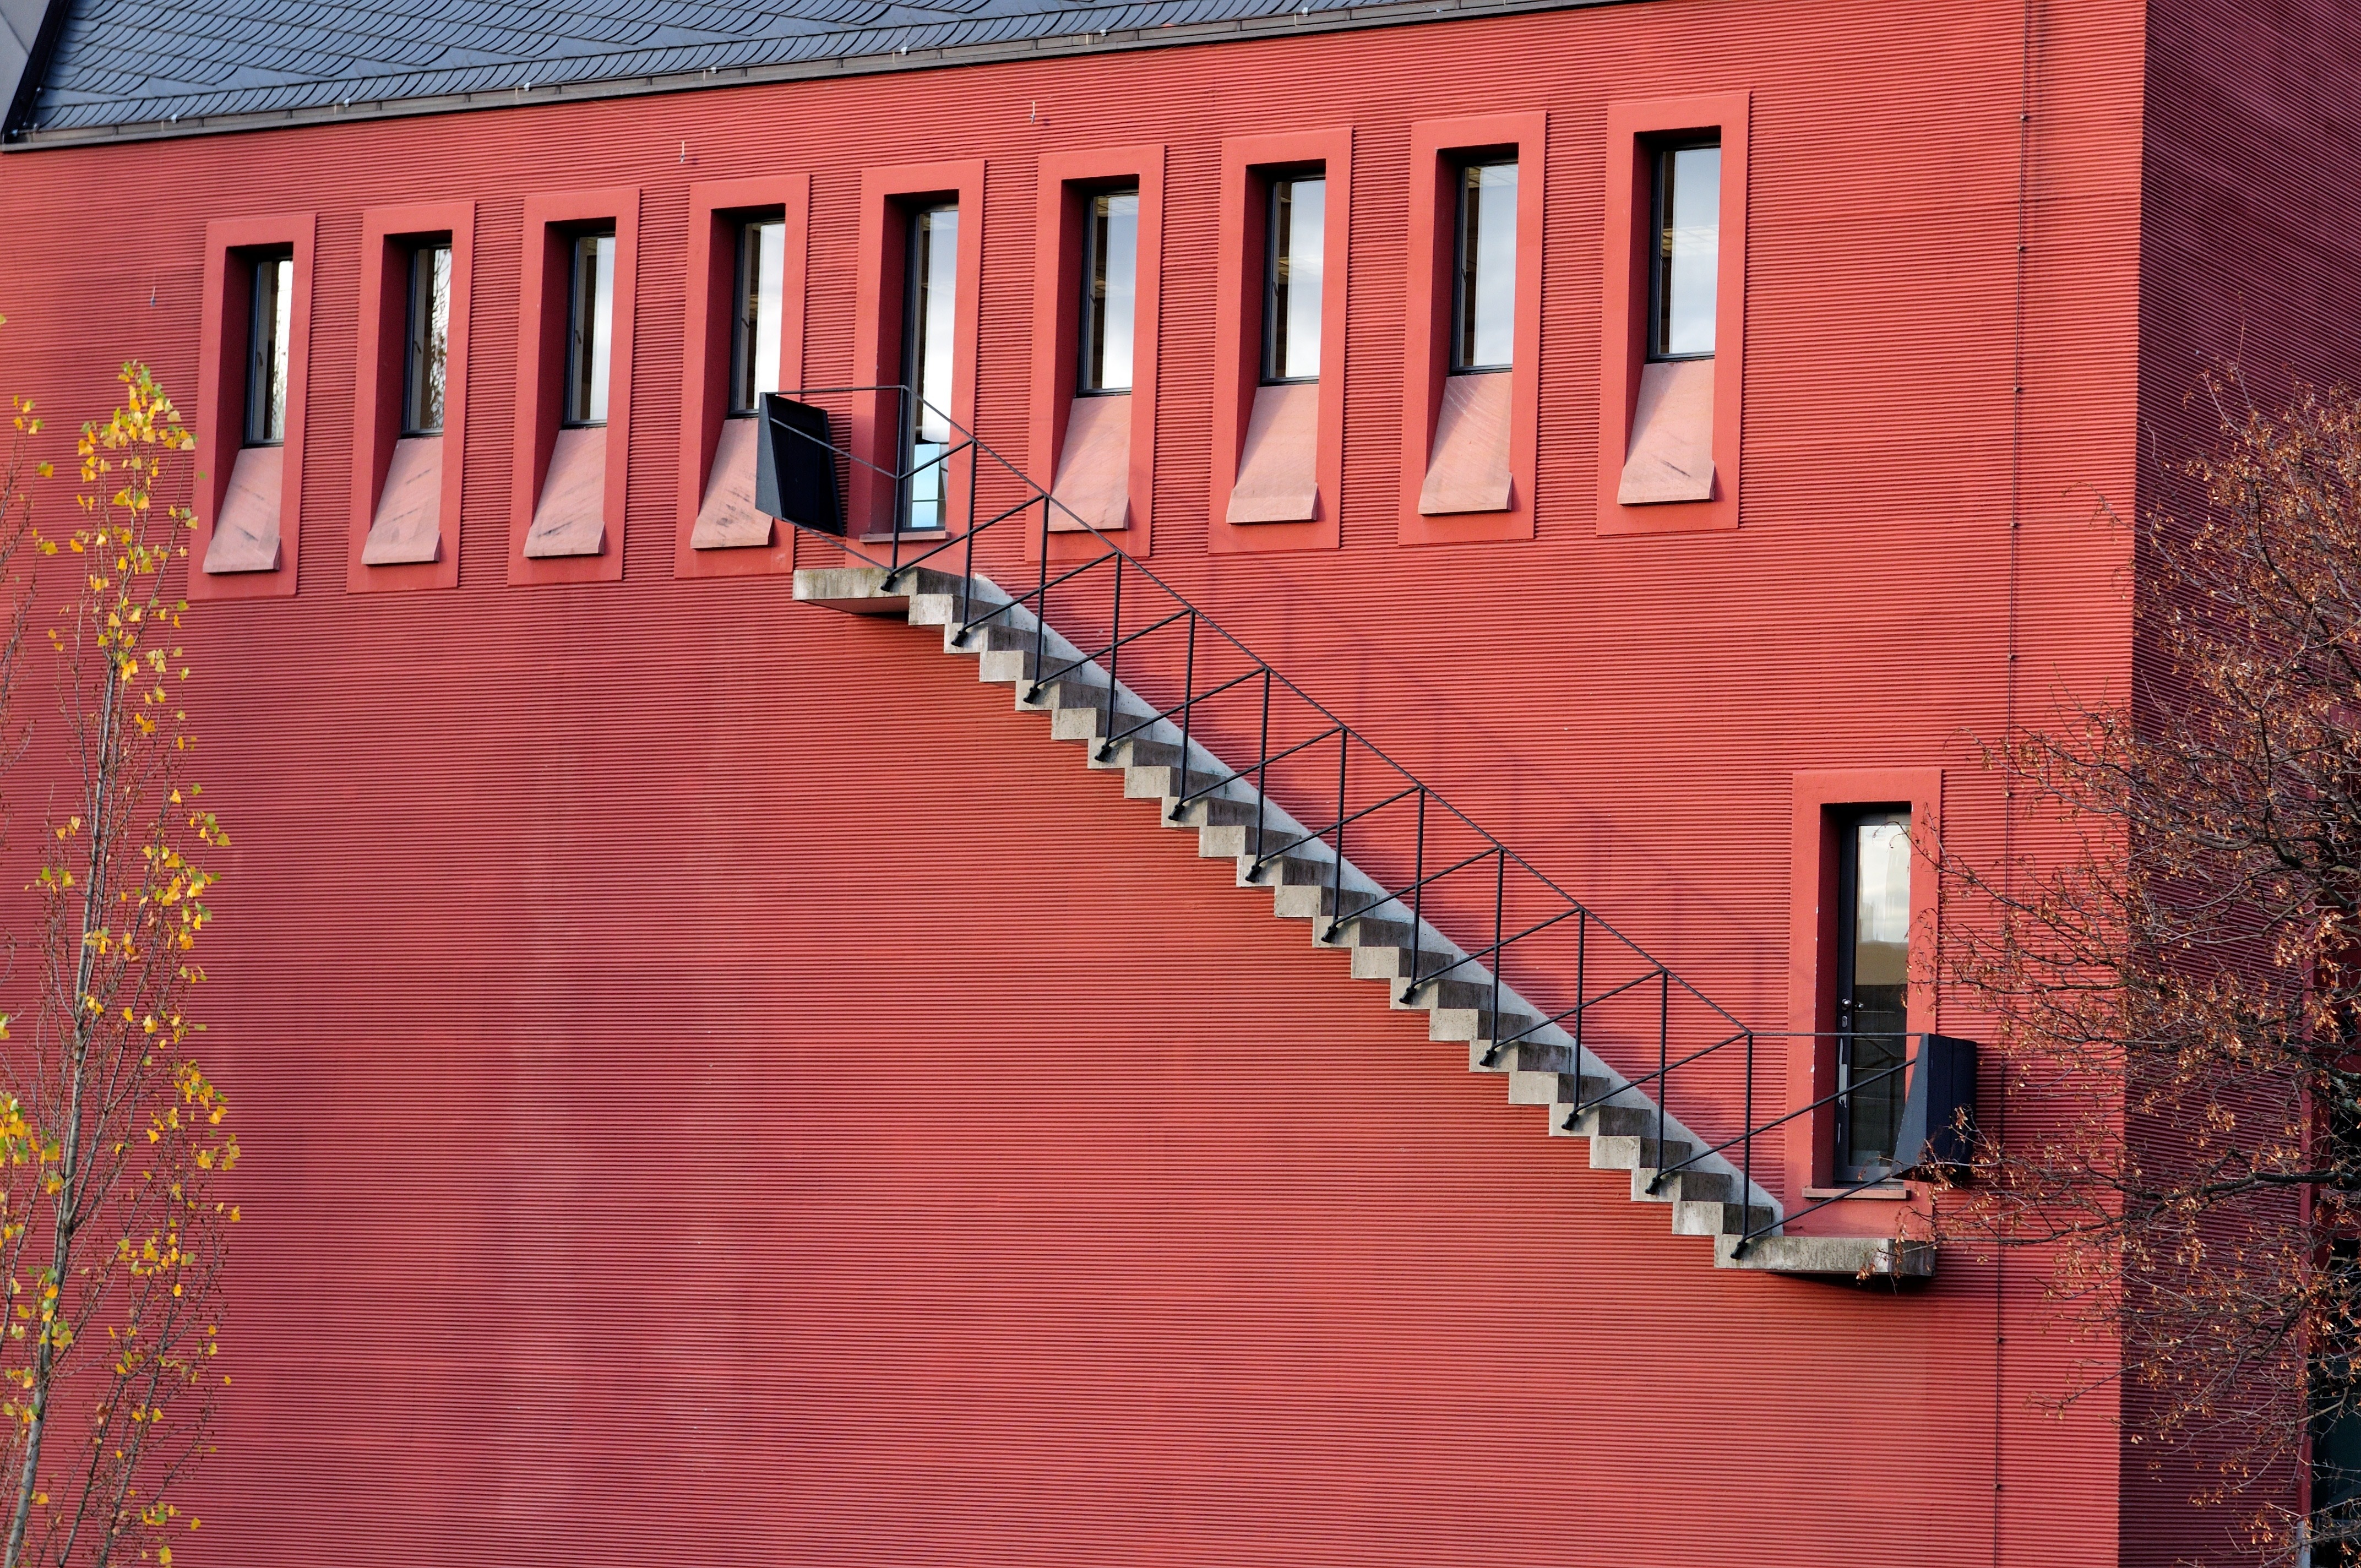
x=720, y=1089
x=2249, y=258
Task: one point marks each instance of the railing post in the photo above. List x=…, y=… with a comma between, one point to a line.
x=1746, y=1183
x=1663, y=1075
x=967, y=572
x=1114, y=660
x=1040, y=608
x=1499, y=902
x=1581, y=992
x=1262, y=770
x=1417, y=900
x=1188, y=702
x=1336, y=873
x=903, y=449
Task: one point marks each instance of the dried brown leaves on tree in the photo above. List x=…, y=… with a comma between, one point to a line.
x=2178, y=994
x=113, y=1143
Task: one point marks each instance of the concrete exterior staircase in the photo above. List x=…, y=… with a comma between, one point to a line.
x=1546, y=1069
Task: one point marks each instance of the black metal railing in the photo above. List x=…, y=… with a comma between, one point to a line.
x=1430, y=866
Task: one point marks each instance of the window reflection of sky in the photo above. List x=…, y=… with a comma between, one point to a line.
x=1883, y=912
x=1692, y=248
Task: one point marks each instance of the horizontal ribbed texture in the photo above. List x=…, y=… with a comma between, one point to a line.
x=719, y=1088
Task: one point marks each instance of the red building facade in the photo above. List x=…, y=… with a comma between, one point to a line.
x=720, y=1086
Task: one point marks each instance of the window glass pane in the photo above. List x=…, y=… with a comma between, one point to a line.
x=266, y=373
x=1110, y=276
x=770, y=284
x=602, y=324
x=754, y=327
x=1688, y=250
x=593, y=342
x=282, y=316
x=1298, y=254
x=1487, y=316
x=929, y=338
x=430, y=339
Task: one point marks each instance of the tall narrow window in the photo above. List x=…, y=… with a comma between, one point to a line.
x=754, y=328
x=266, y=365
x=1484, y=314
x=1685, y=261
x=429, y=351
x=1294, y=254
x=1873, y=989
x=930, y=331
x=591, y=339
x=1110, y=290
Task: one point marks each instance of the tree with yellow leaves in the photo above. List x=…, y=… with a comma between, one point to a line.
x=113, y=1147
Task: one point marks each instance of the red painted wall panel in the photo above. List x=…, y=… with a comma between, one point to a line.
x=2249, y=257
x=717, y=1087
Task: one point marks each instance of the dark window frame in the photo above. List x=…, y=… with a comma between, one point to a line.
x=917, y=213
x=263, y=347
x=1463, y=298
x=1274, y=181
x=415, y=347
x=581, y=333
x=744, y=313
x=1849, y=821
x=1089, y=330
x=1662, y=151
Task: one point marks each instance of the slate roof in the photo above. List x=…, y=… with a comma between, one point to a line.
x=125, y=62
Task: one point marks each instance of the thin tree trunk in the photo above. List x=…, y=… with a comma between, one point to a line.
x=68, y=1223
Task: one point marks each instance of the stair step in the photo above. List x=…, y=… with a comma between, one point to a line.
x=1067, y=686
x=1551, y=1087
x=992, y=636
x=1369, y=931
x=1617, y=1152
x=1238, y=844
x=1861, y=1257
x=1386, y=962
x=1718, y=1219
x=1315, y=902
x=1094, y=724
x=1693, y=1186
x=1152, y=769
x=1077, y=691
x=1453, y=993
x=1616, y=1122
x=843, y=585
x=1475, y=1025
x=1214, y=811
x=1005, y=667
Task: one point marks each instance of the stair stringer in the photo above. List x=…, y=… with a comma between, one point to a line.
x=1544, y=1067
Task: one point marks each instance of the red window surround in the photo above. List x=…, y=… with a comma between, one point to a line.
x=1247, y=163
x=1066, y=181
x=387, y=234
x=550, y=224
x=226, y=318
x=887, y=197
x=1819, y=797
x=1437, y=150
x=1633, y=128
x=714, y=210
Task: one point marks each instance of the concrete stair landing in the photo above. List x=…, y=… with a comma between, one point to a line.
x=1620, y=1122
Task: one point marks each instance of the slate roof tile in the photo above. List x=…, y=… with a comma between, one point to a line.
x=128, y=62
